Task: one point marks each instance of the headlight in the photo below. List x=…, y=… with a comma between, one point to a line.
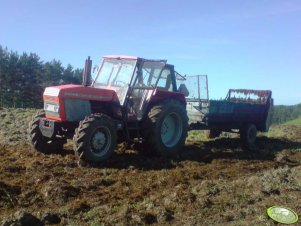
x=51, y=107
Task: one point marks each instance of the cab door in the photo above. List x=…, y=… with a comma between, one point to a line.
x=144, y=85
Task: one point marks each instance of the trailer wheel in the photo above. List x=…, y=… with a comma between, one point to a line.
x=95, y=139
x=248, y=135
x=166, y=127
x=213, y=133
x=38, y=141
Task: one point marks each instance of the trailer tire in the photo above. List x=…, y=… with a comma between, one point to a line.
x=248, y=135
x=38, y=141
x=95, y=139
x=213, y=133
x=166, y=127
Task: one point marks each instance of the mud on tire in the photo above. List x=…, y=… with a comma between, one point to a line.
x=165, y=128
x=38, y=141
x=95, y=139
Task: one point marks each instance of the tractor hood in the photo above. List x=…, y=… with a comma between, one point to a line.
x=54, y=93
x=72, y=102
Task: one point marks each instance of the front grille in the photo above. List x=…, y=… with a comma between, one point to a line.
x=77, y=110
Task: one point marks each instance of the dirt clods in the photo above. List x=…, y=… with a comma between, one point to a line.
x=210, y=182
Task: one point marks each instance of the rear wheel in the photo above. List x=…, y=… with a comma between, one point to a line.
x=95, y=138
x=38, y=141
x=248, y=135
x=166, y=127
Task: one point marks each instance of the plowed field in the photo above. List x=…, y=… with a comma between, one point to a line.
x=210, y=182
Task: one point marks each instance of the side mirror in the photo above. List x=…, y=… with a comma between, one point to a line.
x=95, y=68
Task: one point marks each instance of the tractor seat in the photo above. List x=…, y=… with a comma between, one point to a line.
x=183, y=89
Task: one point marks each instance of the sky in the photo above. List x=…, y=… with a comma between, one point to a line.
x=238, y=44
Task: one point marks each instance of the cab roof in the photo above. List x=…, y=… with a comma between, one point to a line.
x=130, y=58
x=121, y=57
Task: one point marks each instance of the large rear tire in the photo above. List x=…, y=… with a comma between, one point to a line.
x=38, y=141
x=94, y=140
x=248, y=134
x=166, y=127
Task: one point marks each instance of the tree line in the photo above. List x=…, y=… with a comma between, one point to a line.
x=283, y=113
x=23, y=78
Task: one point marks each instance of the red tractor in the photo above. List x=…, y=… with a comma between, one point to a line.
x=131, y=99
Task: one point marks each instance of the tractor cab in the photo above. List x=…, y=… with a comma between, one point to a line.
x=135, y=81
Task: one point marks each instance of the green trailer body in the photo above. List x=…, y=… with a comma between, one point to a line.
x=234, y=112
x=243, y=111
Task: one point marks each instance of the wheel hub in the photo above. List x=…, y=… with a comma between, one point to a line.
x=171, y=130
x=164, y=129
x=98, y=141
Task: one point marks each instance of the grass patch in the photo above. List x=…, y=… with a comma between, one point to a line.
x=197, y=136
x=294, y=122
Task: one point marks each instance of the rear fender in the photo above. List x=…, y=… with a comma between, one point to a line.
x=161, y=95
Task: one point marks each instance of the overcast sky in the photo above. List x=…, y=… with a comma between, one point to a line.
x=252, y=44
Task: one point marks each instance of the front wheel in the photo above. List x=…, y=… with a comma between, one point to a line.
x=95, y=139
x=248, y=135
x=167, y=126
x=38, y=141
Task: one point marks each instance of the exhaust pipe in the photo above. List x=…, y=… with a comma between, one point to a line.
x=87, y=72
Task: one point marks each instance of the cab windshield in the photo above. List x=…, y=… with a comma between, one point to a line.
x=115, y=74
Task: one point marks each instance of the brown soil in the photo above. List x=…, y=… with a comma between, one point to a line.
x=211, y=182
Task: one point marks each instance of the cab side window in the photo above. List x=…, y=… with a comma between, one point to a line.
x=165, y=80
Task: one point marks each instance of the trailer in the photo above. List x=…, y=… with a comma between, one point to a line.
x=243, y=111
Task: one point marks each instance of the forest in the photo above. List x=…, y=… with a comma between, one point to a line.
x=23, y=77
x=284, y=113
